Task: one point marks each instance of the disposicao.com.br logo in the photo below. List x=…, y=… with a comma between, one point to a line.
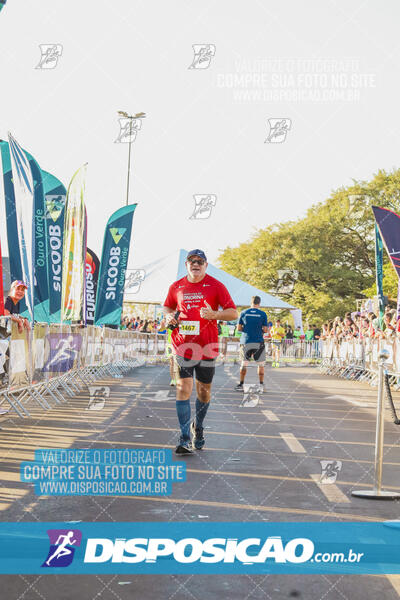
x=200, y=547
x=191, y=550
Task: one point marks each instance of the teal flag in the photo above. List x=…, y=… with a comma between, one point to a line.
x=11, y=219
x=114, y=260
x=379, y=271
x=40, y=283
x=55, y=196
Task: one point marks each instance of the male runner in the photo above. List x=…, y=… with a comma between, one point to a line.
x=253, y=323
x=277, y=335
x=198, y=297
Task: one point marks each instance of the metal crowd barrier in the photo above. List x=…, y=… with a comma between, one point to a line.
x=48, y=364
x=358, y=359
x=290, y=350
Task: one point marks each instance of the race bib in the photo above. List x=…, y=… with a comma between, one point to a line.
x=189, y=327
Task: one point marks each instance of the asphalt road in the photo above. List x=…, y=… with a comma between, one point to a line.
x=259, y=464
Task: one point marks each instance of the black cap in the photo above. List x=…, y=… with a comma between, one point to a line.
x=196, y=252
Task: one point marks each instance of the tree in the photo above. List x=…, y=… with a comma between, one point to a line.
x=331, y=248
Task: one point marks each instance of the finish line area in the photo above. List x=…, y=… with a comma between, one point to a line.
x=270, y=462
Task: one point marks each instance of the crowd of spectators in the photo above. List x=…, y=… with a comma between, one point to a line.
x=142, y=325
x=362, y=325
x=353, y=325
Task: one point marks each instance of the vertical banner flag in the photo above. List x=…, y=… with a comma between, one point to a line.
x=1, y=285
x=379, y=271
x=55, y=196
x=92, y=276
x=298, y=319
x=388, y=223
x=74, y=251
x=389, y=227
x=114, y=260
x=11, y=216
x=40, y=282
x=24, y=206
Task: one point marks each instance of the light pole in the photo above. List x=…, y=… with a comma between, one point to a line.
x=124, y=114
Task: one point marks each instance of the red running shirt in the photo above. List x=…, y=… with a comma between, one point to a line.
x=197, y=338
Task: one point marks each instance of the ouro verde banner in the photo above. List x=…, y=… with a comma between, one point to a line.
x=114, y=260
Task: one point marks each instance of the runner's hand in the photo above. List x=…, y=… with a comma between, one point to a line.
x=170, y=320
x=207, y=312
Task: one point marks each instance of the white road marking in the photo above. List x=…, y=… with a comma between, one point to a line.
x=270, y=415
x=292, y=442
x=331, y=491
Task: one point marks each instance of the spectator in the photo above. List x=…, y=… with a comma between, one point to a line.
x=12, y=306
x=317, y=332
x=289, y=333
x=309, y=333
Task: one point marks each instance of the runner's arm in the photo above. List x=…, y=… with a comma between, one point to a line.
x=229, y=314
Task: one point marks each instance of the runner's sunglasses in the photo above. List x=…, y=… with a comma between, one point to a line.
x=199, y=261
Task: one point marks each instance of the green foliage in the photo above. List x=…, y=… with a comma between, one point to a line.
x=390, y=280
x=332, y=248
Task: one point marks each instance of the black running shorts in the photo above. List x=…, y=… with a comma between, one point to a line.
x=249, y=351
x=204, y=369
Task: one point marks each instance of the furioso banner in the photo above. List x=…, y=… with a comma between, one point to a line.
x=92, y=277
x=22, y=180
x=114, y=260
x=55, y=196
x=74, y=251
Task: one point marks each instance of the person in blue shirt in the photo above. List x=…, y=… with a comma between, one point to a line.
x=253, y=323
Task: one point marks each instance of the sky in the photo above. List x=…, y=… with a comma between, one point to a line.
x=327, y=72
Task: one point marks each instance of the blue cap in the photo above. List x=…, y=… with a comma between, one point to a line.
x=196, y=252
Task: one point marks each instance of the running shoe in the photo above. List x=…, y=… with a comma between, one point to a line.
x=273, y=364
x=239, y=387
x=277, y=364
x=172, y=382
x=184, y=447
x=197, y=436
x=262, y=388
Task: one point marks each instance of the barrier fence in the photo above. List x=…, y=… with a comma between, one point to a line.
x=358, y=359
x=51, y=362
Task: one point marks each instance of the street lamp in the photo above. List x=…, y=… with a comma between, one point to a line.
x=140, y=115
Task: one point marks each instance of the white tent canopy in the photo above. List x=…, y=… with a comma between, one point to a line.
x=153, y=280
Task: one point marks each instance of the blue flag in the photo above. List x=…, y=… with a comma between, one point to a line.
x=114, y=260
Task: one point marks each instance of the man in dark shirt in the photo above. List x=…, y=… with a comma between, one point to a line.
x=253, y=323
x=317, y=333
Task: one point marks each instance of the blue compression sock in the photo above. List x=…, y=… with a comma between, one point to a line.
x=201, y=411
x=183, y=412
